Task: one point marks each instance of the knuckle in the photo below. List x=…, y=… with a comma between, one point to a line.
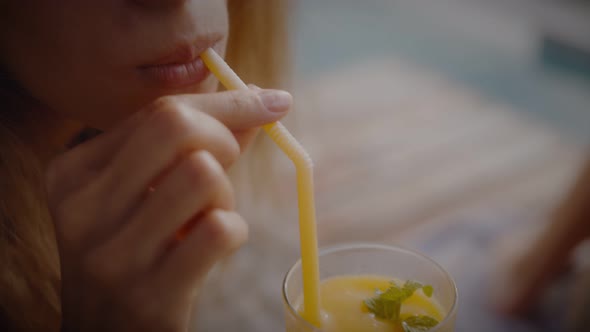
x=238, y=101
x=169, y=118
x=253, y=99
x=163, y=103
x=191, y=129
x=226, y=147
x=232, y=150
x=226, y=230
x=203, y=169
x=217, y=230
x=244, y=102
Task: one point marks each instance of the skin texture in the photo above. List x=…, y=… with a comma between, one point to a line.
x=81, y=58
x=119, y=200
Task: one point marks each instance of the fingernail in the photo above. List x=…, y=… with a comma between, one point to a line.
x=276, y=101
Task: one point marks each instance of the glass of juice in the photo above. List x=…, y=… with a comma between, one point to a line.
x=352, y=274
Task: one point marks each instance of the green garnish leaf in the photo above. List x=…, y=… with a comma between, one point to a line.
x=428, y=290
x=410, y=287
x=387, y=304
x=384, y=309
x=419, y=323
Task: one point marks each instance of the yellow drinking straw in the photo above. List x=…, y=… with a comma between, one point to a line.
x=304, y=169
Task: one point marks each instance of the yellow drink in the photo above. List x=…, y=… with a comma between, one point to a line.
x=352, y=273
x=343, y=310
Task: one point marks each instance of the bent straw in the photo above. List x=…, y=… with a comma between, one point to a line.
x=304, y=169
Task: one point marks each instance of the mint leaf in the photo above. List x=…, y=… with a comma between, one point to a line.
x=384, y=309
x=410, y=287
x=387, y=304
x=419, y=323
x=428, y=290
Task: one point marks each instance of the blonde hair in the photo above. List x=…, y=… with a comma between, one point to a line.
x=29, y=273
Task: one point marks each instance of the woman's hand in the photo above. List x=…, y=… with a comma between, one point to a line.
x=144, y=211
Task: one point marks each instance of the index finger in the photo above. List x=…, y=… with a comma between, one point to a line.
x=242, y=109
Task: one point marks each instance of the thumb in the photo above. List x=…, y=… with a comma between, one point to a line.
x=242, y=109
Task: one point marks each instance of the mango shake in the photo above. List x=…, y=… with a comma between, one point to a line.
x=343, y=307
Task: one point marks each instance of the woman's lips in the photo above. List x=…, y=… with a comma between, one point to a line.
x=175, y=75
x=182, y=65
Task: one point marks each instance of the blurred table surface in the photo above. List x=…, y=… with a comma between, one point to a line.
x=396, y=146
x=401, y=155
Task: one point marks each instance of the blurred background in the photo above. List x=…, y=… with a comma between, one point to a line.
x=449, y=126
x=425, y=107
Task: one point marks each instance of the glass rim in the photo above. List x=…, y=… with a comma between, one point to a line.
x=366, y=245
